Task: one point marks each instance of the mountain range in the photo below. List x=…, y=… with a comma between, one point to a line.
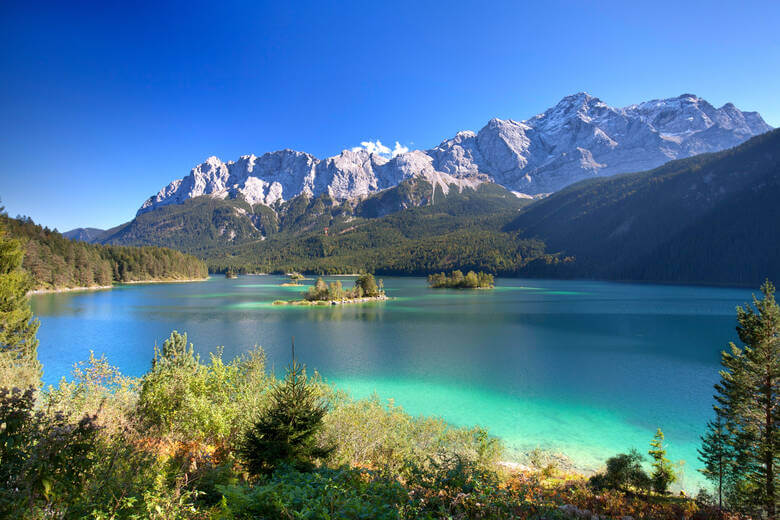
x=509, y=199
x=580, y=137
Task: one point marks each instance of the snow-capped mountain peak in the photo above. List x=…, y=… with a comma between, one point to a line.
x=580, y=137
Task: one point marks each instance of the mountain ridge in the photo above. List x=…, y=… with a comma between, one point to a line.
x=580, y=137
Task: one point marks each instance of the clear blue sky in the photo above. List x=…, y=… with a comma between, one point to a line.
x=101, y=104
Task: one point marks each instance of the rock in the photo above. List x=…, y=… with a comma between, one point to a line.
x=578, y=138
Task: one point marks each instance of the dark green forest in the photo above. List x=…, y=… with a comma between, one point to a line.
x=711, y=218
x=321, y=236
x=55, y=262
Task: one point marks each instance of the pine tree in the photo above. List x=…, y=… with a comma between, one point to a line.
x=716, y=456
x=748, y=398
x=286, y=433
x=18, y=344
x=663, y=473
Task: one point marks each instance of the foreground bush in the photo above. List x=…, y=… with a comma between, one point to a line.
x=184, y=399
x=45, y=460
x=375, y=435
x=325, y=493
x=286, y=433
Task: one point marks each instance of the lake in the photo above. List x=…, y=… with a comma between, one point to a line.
x=580, y=367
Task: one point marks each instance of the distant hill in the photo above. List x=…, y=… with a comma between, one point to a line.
x=84, y=234
x=56, y=262
x=712, y=218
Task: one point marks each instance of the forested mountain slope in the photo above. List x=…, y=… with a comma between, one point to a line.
x=709, y=218
x=56, y=262
x=408, y=229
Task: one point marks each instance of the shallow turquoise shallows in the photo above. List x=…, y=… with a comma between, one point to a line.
x=584, y=368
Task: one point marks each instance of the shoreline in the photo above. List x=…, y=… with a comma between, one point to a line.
x=70, y=289
x=106, y=287
x=329, y=303
x=164, y=281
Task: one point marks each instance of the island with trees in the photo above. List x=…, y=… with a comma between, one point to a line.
x=366, y=289
x=456, y=280
x=294, y=279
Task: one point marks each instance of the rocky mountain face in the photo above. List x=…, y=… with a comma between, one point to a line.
x=580, y=137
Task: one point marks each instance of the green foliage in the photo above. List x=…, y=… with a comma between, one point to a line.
x=177, y=443
x=366, y=286
x=456, y=280
x=748, y=402
x=370, y=434
x=44, y=459
x=663, y=472
x=716, y=456
x=324, y=493
x=286, y=432
x=55, y=262
x=624, y=472
x=19, y=366
x=96, y=389
x=186, y=399
x=455, y=488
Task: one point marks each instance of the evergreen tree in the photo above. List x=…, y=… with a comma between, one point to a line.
x=663, y=473
x=748, y=398
x=286, y=433
x=715, y=454
x=18, y=344
x=367, y=283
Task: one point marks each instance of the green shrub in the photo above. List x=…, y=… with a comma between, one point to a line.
x=45, y=460
x=343, y=494
x=624, y=472
x=187, y=399
x=96, y=388
x=368, y=433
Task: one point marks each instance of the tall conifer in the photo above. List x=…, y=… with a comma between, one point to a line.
x=18, y=344
x=287, y=432
x=748, y=399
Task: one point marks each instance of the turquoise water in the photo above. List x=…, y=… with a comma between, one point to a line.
x=585, y=368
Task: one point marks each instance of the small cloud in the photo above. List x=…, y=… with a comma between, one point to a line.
x=378, y=148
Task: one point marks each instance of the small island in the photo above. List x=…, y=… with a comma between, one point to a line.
x=231, y=273
x=366, y=289
x=456, y=280
x=294, y=279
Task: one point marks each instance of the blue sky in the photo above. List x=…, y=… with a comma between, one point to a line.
x=101, y=104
